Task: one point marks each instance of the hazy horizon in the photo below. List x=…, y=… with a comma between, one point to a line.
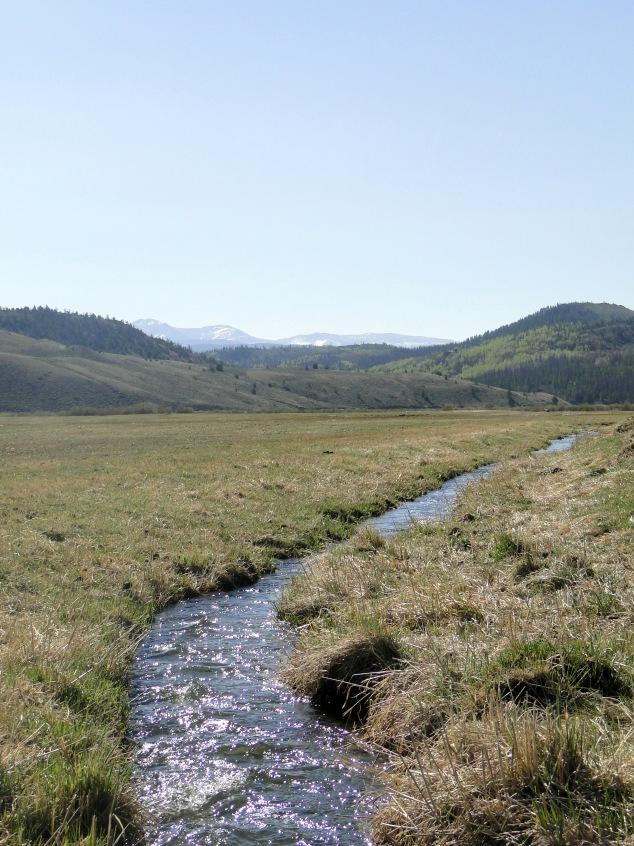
x=418, y=168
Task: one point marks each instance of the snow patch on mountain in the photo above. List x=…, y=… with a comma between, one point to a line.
x=218, y=336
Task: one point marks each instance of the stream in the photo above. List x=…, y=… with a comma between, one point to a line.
x=226, y=754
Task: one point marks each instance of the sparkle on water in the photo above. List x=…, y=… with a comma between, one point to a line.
x=226, y=755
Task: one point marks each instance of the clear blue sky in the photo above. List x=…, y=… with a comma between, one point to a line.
x=435, y=168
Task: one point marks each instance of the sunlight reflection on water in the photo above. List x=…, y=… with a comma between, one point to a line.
x=226, y=755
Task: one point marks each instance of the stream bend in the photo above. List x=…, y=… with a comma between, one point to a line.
x=226, y=755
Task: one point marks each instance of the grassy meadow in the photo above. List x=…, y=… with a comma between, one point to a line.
x=107, y=519
x=491, y=657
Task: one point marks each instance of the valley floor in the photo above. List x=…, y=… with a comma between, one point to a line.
x=106, y=520
x=491, y=657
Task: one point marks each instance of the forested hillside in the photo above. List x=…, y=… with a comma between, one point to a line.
x=104, y=334
x=355, y=357
x=581, y=352
x=577, y=313
x=577, y=378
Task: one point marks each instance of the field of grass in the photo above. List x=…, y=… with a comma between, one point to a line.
x=41, y=375
x=105, y=520
x=491, y=657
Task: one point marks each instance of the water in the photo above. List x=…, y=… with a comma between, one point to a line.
x=438, y=504
x=430, y=507
x=226, y=755
x=558, y=445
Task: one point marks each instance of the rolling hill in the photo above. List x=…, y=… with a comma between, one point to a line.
x=103, y=334
x=44, y=375
x=581, y=352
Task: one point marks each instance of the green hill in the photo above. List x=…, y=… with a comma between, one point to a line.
x=43, y=375
x=103, y=334
x=581, y=352
x=563, y=313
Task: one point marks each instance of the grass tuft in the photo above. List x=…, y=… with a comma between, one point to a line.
x=512, y=780
x=542, y=673
x=506, y=547
x=340, y=680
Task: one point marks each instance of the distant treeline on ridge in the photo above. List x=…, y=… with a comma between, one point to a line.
x=103, y=334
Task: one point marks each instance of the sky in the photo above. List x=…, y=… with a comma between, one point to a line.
x=432, y=168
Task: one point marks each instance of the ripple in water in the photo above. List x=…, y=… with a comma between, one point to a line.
x=226, y=755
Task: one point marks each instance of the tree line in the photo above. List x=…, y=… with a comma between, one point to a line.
x=103, y=334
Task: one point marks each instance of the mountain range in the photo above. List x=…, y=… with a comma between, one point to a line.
x=63, y=361
x=217, y=337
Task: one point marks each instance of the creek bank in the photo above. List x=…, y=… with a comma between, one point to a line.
x=225, y=752
x=509, y=716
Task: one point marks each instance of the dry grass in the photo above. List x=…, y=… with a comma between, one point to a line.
x=340, y=677
x=514, y=777
x=510, y=719
x=105, y=520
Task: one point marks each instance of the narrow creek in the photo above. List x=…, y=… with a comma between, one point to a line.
x=226, y=755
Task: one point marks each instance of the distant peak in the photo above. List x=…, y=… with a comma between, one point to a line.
x=219, y=335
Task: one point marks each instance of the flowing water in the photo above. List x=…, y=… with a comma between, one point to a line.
x=226, y=755
x=558, y=445
x=430, y=507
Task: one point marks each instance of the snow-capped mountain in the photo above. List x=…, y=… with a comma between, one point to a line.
x=199, y=339
x=326, y=339
x=216, y=337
